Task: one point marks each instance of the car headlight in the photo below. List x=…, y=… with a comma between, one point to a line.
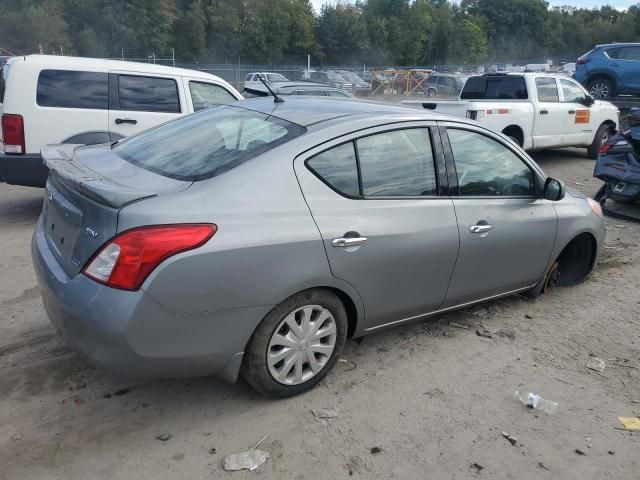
x=595, y=206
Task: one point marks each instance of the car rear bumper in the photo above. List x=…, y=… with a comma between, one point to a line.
x=132, y=335
x=28, y=170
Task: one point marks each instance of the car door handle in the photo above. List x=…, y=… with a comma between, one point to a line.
x=120, y=121
x=572, y=112
x=480, y=228
x=343, y=242
x=544, y=112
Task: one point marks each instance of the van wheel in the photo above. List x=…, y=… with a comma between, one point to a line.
x=296, y=344
x=601, y=137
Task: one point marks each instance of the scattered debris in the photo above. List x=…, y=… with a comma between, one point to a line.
x=579, y=183
x=350, y=362
x=457, y=325
x=529, y=316
x=630, y=423
x=375, y=450
x=249, y=460
x=213, y=451
x=484, y=333
x=477, y=466
x=611, y=452
x=596, y=364
x=512, y=440
x=535, y=401
x=543, y=466
x=480, y=312
x=178, y=456
x=163, y=437
x=506, y=333
x=17, y=437
x=561, y=380
x=323, y=414
x=579, y=452
x=434, y=392
x=117, y=393
x=206, y=434
x=588, y=440
x=78, y=401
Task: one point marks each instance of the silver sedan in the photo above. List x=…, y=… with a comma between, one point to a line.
x=255, y=238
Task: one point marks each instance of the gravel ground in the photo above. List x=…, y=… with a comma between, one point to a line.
x=426, y=400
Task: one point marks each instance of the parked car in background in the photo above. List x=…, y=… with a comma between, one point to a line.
x=610, y=70
x=444, y=84
x=254, y=239
x=358, y=85
x=568, y=68
x=537, y=110
x=331, y=78
x=298, y=88
x=56, y=99
x=252, y=80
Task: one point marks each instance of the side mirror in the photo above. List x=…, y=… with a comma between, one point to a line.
x=554, y=190
x=588, y=101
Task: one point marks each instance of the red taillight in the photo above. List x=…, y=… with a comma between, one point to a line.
x=128, y=259
x=13, y=133
x=581, y=61
x=605, y=148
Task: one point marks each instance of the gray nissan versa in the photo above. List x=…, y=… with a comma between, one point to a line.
x=255, y=238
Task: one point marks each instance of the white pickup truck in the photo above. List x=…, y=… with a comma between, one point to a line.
x=537, y=110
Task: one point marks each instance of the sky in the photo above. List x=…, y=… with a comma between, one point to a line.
x=619, y=4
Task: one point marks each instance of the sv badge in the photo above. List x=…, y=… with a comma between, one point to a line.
x=90, y=232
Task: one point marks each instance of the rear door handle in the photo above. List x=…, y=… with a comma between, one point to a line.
x=544, y=112
x=120, y=121
x=343, y=242
x=480, y=228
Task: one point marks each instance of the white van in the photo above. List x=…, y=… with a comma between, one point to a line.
x=54, y=99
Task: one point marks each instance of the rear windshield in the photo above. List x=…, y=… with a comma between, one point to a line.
x=4, y=76
x=207, y=143
x=508, y=87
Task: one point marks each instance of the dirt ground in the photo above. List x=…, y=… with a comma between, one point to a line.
x=430, y=398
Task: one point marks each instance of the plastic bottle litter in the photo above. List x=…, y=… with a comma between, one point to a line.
x=535, y=401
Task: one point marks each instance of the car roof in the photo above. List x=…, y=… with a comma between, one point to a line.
x=59, y=61
x=608, y=45
x=307, y=111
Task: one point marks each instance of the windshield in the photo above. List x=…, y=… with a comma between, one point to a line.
x=503, y=87
x=207, y=143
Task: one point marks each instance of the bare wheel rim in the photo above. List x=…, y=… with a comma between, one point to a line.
x=302, y=345
x=599, y=90
x=605, y=137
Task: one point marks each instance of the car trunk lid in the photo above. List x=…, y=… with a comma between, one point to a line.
x=87, y=187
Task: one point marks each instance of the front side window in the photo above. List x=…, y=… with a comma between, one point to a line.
x=487, y=168
x=73, y=89
x=397, y=163
x=572, y=92
x=338, y=169
x=207, y=143
x=205, y=95
x=547, y=90
x=148, y=94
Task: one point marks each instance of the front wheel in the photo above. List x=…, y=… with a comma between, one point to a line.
x=602, y=136
x=296, y=344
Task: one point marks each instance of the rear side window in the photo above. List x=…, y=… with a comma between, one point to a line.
x=205, y=95
x=397, y=163
x=630, y=53
x=148, y=94
x=547, y=90
x=72, y=89
x=207, y=143
x=338, y=169
x=506, y=87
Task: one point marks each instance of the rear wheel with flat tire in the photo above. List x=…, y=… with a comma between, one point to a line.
x=296, y=344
